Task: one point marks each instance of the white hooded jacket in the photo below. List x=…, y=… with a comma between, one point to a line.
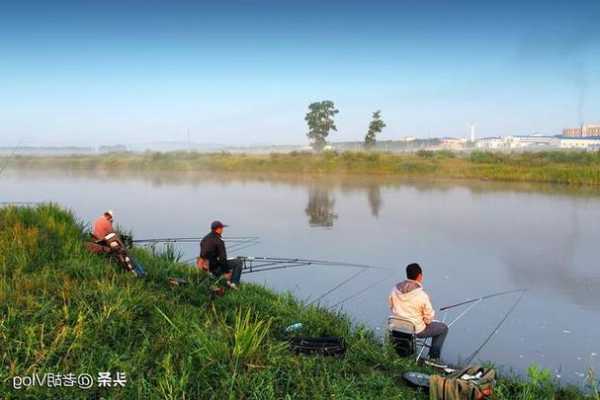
x=408, y=300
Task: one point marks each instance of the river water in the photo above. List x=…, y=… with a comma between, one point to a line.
x=471, y=238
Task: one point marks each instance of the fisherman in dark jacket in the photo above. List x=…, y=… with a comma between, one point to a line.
x=213, y=256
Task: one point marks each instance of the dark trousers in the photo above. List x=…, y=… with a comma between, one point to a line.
x=234, y=266
x=137, y=267
x=437, y=331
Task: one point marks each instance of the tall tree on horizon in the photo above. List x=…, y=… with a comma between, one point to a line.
x=375, y=127
x=320, y=121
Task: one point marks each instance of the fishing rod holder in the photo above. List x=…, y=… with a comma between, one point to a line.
x=247, y=264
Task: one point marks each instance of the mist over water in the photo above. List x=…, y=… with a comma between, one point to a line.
x=472, y=239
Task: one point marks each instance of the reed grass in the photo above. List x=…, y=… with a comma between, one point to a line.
x=64, y=310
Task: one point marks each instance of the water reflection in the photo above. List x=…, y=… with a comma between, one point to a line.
x=320, y=207
x=375, y=201
x=343, y=183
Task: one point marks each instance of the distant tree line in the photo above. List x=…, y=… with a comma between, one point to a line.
x=320, y=121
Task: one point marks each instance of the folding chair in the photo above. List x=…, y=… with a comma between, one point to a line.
x=404, y=337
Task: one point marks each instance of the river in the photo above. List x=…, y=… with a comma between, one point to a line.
x=471, y=238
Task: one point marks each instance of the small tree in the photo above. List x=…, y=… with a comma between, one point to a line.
x=320, y=121
x=375, y=127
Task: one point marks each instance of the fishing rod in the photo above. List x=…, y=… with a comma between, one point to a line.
x=487, y=339
x=270, y=264
x=229, y=239
x=274, y=268
x=235, y=243
x=262, y=264
x=472, y=303
x=19, y=203
x=252, y=263
x=489, y=296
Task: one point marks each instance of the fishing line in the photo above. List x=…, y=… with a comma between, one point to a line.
x=339, y=285
x=462, y=314
x=240, y=248
x=360, y=292
x=242, y=245
x=189, y=260
x=485, y=342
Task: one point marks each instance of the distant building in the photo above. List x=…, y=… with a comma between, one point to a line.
x=583, y=131
x=591, y=143
x=46, y=150
x=453, y=143
x=112, y=149
x=491, y=143
x=521, y=142
x=518, y=142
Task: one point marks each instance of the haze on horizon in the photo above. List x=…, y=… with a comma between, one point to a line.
x=91, y=73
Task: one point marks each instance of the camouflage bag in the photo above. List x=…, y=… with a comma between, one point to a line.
x=471, y=383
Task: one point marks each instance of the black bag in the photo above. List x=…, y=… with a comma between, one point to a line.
x=325, y=345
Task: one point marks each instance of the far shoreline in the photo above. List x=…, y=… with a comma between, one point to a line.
x=574, y=169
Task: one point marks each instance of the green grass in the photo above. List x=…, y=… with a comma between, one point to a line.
x=64, y=310
x=577, y=168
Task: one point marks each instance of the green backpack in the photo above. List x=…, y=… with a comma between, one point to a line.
x=470, y=383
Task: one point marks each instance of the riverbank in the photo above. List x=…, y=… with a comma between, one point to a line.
x=575, y=168
x=65, y=310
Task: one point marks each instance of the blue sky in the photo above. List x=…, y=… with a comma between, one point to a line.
x=91, y=72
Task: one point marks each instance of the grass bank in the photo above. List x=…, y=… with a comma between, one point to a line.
x=577, y=168
x=64, y=310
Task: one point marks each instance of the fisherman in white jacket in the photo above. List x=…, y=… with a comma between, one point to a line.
x=408, y=300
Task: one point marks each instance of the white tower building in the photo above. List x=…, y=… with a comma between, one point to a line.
x=472, y=132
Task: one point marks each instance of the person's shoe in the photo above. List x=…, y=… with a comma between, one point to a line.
x=233, y=286
x=215, y=291
x=435, y=363
x=173, y=281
